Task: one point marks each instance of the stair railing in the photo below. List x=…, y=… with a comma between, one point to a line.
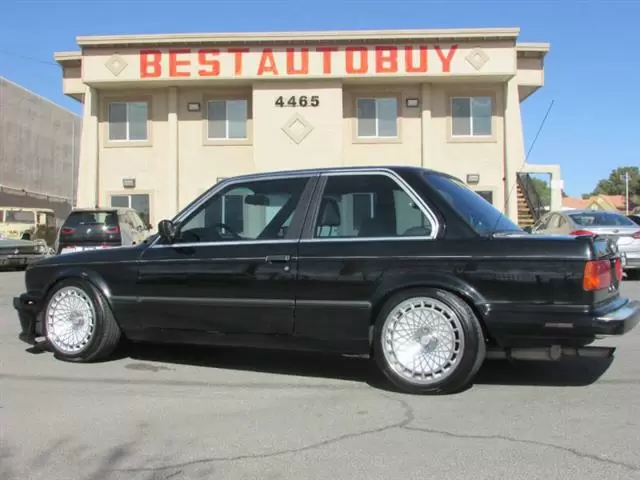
x=531, y=195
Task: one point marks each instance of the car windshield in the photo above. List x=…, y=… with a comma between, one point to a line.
x=20, y=216
x=481, y=215
x=601, y=219
x=76, y=219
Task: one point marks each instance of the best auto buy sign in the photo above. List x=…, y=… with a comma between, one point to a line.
x=201, y=63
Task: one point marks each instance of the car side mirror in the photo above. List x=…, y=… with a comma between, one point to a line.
x=528, y=229
x=168, y=230
x=149, y=226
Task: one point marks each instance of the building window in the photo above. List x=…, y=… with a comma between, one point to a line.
x=471, y=116
x=377, y=117
x=128, y=121
x=226, y=119
x=486, y=194
x=139, y=202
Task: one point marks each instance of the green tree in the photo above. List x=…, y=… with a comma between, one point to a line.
x=543, y=189
x=615, y=184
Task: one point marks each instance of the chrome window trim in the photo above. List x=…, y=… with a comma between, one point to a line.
x=216, y=189
x=305, y=174
x=225, y=244
x=411, y=193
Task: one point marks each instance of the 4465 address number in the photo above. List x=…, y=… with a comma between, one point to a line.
x=301, y=101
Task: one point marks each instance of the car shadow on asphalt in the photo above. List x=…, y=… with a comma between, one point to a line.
x=569, y=372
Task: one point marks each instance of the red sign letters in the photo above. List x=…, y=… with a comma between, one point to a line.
x=295, y=62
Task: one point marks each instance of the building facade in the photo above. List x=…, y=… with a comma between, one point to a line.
x=39, y=151
x=167, y=116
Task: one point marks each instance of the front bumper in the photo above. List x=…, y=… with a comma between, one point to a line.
x=619, y=320
x=20, y=260
x=29, y=307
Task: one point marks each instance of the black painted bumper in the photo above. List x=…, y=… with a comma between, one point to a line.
x=28, y=307
x=618, y=321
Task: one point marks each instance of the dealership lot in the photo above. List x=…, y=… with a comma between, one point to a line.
x=176, y=412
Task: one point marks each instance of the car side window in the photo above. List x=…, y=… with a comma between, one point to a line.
x=368, y=206
x=252, y=210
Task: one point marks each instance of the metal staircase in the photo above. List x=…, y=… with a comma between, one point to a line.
x=530, y=206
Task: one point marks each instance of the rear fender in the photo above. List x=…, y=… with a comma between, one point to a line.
x=451, y=283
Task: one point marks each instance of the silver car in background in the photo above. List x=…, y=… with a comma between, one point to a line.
x=613, y=225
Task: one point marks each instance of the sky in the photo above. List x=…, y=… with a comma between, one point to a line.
x=592, y=72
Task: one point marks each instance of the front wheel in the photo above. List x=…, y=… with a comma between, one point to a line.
x=78, y=322
x=428, y=341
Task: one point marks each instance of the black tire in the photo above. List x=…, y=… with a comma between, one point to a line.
x=468, y=359
x=106, y=332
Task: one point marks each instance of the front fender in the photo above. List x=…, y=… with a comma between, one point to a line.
x=84, y=273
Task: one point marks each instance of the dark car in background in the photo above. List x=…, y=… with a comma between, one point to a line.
x=99, y=228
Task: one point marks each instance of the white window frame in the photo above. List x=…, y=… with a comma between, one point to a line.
x=471, y=117
x=226, y=119
x=127, y=104
x=129, y=195
x=377, y=118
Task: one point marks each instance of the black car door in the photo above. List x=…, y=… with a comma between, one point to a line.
x=233, y=267
x=360, y=226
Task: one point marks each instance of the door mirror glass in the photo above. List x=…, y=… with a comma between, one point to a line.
x=167, y=230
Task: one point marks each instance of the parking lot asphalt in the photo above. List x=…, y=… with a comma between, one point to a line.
x=185, y=413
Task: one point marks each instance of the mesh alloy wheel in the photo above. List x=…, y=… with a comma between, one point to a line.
x=422, y=340
x=71, y=320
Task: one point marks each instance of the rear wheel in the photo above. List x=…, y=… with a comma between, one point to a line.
x=78, y=322
x=428, y=341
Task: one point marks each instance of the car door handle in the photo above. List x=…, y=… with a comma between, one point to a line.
x=278, y=258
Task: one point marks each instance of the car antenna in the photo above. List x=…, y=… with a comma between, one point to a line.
x=535, y=139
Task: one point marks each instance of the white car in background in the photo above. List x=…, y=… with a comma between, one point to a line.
x=613, y=225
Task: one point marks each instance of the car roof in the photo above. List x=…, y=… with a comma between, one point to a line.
x=6, y=207
x=320, y=170
x=103, y=209
x=588, y=210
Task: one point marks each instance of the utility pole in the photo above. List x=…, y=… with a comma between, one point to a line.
x=625, y=178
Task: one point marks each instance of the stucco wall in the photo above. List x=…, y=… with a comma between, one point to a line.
x=39, y=144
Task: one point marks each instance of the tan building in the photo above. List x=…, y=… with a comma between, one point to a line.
x=166, y=116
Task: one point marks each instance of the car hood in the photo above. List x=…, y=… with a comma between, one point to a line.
x=11, y=243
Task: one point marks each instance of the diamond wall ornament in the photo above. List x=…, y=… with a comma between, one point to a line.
x=116, y=64
x=297, y=128
x=477, y=58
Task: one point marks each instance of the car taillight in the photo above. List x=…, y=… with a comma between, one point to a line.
x=67, y=231
x=618, y=266
x=581, y=232
x=112, y=230
x=597, y=275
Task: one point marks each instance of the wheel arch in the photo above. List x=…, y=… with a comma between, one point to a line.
x=90, y=276
x=453, y=285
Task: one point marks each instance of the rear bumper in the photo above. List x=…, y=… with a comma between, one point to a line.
x=618, y=321
x=630, y=260
x=28, y=307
